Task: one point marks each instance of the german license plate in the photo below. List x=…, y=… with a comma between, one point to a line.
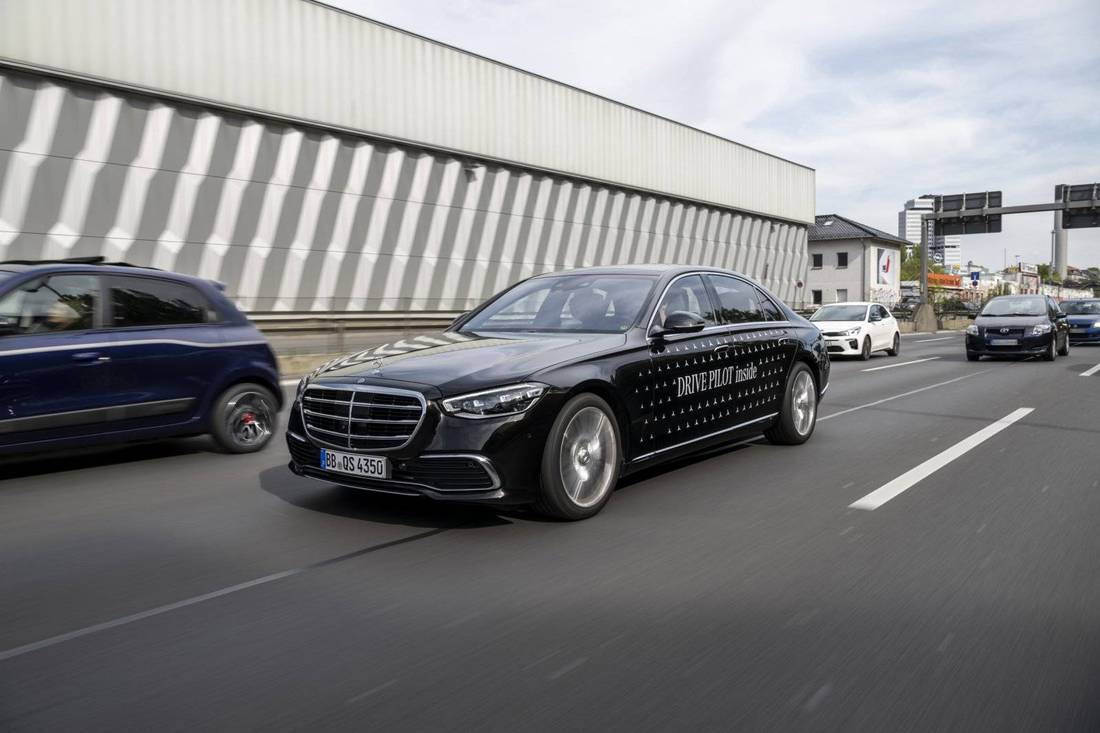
x=356, y=465
x=1003, y=342
x=1079, y=330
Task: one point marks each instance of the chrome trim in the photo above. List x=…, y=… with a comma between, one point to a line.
x=297, y=437
x=368, y=388
x=646, y=456
x=490, y=469
x=707, y=329
x=133, y=342
x=361, y=419
x=494, y=487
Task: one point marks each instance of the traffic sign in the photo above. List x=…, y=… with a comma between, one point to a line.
x=1086, y=211
x=965, y=213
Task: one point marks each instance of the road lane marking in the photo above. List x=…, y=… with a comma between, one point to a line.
x=927, y=341
x=157, y=611
x=289, y=382
x=903, y=394
x=1091, y=371
x=915, y=475
x=904, y=363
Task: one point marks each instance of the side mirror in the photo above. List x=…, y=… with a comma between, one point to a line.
x=682, y=322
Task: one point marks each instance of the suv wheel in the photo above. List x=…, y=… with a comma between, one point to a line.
x=581, y=460
x=798, y=415
x=244, y=418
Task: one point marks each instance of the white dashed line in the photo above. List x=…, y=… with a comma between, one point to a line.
x=904, y=363
x=913, y=476
x=926, y=341
x=1090, y=372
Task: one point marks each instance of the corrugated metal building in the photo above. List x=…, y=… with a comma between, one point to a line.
x=312, y=159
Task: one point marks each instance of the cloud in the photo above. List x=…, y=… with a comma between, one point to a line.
x=885, y=100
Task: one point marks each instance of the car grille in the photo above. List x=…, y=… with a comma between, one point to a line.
x=995, y=332
x=365, y=418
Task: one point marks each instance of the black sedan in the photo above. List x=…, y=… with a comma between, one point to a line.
x=1019, y=325
x=555, y=388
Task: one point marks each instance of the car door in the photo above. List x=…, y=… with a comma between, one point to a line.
x=166, y=353
x=760, y=349
x=1058, y=322
x=882, y=335
x=55, y=360
x=691, y=375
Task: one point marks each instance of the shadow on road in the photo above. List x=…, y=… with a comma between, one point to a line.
x=44, y=463
x=317, y=496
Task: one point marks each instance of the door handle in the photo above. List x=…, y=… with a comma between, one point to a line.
x=722, y=347
x=90, y=357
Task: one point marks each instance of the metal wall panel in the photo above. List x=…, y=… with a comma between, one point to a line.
x=313, y=63
x=296, y=218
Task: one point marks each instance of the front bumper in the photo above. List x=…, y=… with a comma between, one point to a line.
x=495, y=460
x=1027, y=345
x=843, y=345
x=1084, y=334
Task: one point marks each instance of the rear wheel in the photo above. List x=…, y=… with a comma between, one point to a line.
x=798, y=415
x=1064, y=351
x=244, y=418
x=865, y=353
x=896, y=348
x=581, y=460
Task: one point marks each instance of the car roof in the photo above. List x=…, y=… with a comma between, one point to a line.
x=643, y=269
x=95, y=268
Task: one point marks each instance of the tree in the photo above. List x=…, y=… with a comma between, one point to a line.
x=910, y=268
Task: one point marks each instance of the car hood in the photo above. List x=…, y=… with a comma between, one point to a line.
x=836, y=325
x=1010, y=321
x=455, y=363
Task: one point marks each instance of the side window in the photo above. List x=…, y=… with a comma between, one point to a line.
x=841, y=260
x=771, y=310
x=818, y=260
x=883, y=313
x=737, y=300
x=142, y=301
x=50, y=304
x=815, y=296
x=686, y=294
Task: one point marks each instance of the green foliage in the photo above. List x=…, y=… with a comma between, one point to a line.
x=910, y=268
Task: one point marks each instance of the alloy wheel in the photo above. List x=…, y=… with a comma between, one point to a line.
x=587, y=456
x=803, y=403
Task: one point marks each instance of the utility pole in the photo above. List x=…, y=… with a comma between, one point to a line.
x=1061, y=248
x=925, y=317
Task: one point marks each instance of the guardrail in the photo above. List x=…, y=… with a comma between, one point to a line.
x=337, y=333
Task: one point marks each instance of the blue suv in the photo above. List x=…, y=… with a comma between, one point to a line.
x=99, y=352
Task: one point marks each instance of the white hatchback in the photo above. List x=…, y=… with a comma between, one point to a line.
x=858, y=329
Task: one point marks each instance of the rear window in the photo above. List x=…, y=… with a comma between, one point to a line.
x=138, y=301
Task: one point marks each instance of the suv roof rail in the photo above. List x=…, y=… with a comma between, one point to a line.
x=96, y=260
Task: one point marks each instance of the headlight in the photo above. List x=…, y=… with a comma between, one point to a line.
x=1096, y=325
x=510, y=400
x=1040, y=329
x=972, y=329
x=851, y=332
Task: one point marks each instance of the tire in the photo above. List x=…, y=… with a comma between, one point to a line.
x=1064, y=351
x=798, y=415
x=1052, y=350
x=244, y=418
x=971, y=356
x=896, y=348
x=584, y=435
x=865, y=353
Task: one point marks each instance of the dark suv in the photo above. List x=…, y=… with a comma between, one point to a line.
x=95, y=352
x=1019, y=325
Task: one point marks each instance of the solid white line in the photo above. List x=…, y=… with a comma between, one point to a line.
x=289, y=382
x=1090, y=372
x=927, y=341
x=904, y=363
x=907, y=480
x=899, y=396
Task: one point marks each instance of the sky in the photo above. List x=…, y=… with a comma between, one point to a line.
x=885, y=100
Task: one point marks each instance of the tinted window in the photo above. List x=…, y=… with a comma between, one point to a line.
x=737, y=300
x=686, y=294
x=46, y=305
x=147, y=302
x=882, y=312
x=1082, y=307
x=816, y=296
x=580, y=303
x=771, y=310
x=841, y=259
x=841, y=313
x=1016, y=306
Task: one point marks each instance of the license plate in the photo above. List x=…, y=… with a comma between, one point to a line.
x=356, y=465
x=1079, y=330
x=1003, y=342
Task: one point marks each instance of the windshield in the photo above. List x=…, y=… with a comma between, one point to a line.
x=840, y=313
x=1082, y=307
x=1007, y=307
x=567, y=304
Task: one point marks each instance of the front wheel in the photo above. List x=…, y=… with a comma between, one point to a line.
x=865, y=353
x=1064, y=351
x=896, y=348
x=1052, y=349
x=798, y=414
x=581, y=460
x=244, y=418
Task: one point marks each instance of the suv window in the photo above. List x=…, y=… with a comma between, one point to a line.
x=737, y=300
x=686, y=294
x=143, y=301
x=50, y=304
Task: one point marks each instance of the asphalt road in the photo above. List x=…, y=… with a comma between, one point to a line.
x=170, y=588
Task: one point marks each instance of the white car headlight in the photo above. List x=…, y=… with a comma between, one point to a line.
x=972, y=329
x=851, y=332
x=1096, y=325
x=1040, y=329
x=510, y=400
